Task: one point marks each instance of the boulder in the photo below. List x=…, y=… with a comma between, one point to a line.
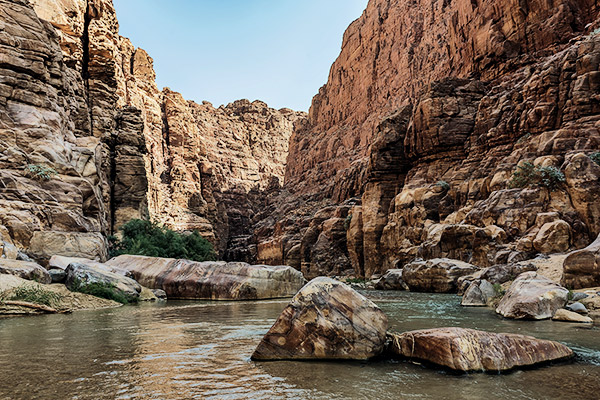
x=184, y=279
x=439, y=275
x=325, y=320
x=61, y=263
x=468, y=350
x=8, y=250
x=391, y=280
x=581, y=268
x=57, y=275
x=160, y=294
x=479, y=294
x=553, y=237
x=499, y=274
x=84, y=276
x=570, y=316
x=24, y=269
x=578, y=308
x=532, y=296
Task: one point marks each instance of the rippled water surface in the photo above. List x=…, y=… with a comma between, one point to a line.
x=182, y=350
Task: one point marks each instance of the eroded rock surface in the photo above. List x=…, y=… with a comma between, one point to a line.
x=468, y=350
x=183, y=279
x=581, y=269
x=325, y=320
x=532, y=296
x=436, y=276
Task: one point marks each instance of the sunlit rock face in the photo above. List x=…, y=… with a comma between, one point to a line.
x=81, y=99
x=428, y=111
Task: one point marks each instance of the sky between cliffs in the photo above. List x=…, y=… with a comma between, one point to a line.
x=278, y=51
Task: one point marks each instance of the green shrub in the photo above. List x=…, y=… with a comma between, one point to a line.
x=144, y=238
x=529, y=175
x=101, y=289
x=595, y=157
x=444, y=185
x=356, y=280
x=499, y=290
x=35, y=294
x=40, y=172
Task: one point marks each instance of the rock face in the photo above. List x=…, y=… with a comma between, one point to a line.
x=82, y=276
x=89, y=142
x=325, y=320
x=581, y=268
x=532, y=296
x=25, y=270
x=427, y=113
x=437, y=275
x=467, y=350
x=183, y=279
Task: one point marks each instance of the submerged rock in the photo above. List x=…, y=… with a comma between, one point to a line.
x=86, y=277
x=570, y=316
x=24, y=269
x=183, y=279
x=468, y=350
x=325, y=320
x=479, y=294
x=391, y=280
x=532, y=296
x=439, y=275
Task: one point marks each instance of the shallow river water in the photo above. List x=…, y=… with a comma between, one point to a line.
x=184, y=350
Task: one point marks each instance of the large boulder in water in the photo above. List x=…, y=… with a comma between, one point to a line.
x=391, y=280
x=581, y=268
x=325, y=320
x=184, y=279
x=91, y=279
x=468, y=350
x=25, y=269
x=479, y=294
x=439, y=275
x=532, y=296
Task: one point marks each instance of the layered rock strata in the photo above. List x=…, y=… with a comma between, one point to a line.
x=89, y=142
x=427, y=113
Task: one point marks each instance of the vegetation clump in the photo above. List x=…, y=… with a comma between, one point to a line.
x=40, y=172
x=145, y=238
x=356, y=280
x=530, y=175
x=35, y=294
x=595, y=157
x=444, y=185
x=347, y=222
x=103, y=290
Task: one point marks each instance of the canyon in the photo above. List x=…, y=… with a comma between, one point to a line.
x=407, y=152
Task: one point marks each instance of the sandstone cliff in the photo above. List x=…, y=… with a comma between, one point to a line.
x=428, y=111
x=80, y=101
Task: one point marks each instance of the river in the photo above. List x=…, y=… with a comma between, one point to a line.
x=201, y=350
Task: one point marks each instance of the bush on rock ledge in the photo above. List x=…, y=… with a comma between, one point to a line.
x=145, y=238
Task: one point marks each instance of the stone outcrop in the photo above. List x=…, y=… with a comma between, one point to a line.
x=25, y=270
x=532, y=296
x=468, y=350
x=436, y=276
x=391, y=280
x=581, y=269
x=426, y=115
x=183, y=279
x=83, y=277
x=325, y=320
x=80, y=102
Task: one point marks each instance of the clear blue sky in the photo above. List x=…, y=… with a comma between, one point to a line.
x=278, y=51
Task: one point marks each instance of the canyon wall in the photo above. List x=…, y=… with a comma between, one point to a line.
x=410, y=147
x=89, y=141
